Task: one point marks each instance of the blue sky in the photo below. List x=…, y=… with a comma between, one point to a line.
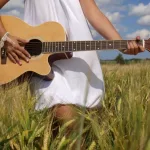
x=130, y=17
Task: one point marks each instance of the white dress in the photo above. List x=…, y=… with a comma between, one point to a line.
x=78, y=80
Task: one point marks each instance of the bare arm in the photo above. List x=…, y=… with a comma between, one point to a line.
x=14, y=50
x=98, y=20
x=101, y=23
x=2, y=29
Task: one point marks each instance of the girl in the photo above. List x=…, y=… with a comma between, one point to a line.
x=78, y=81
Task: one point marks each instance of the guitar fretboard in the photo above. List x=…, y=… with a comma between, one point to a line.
x=73, y=46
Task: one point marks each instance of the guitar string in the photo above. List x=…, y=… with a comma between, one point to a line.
x=83, y=42
x=29, y=45
x=82, y=45
x=76, y=46
x=90, y=41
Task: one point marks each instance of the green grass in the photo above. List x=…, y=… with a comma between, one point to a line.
x=123, y=122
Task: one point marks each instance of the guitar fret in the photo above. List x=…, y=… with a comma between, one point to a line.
x=80, y=46
x=98, y=45
x=113, y=45
x=60, y=47
x=109, y=45
x=46, y=47
x=103, y=45
x=87, y=45
x=120, y=44
x=64, y=46
x=56, y=47
x=72, y=47
x=61, y=43
x=90, y=45
x=83, y=45
x=68, y=46
x=76, y=46
x=52, y=47
x=49, y=47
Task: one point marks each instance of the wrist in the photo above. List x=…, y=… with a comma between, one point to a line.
x=3, y=39
x=2, y=33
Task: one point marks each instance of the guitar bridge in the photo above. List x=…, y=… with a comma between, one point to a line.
x=3, y=56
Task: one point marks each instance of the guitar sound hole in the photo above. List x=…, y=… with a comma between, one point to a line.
x=34, y=47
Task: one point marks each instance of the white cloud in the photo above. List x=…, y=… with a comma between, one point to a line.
x=145, y=20
x=140, y=9
x=14, y=4
x=144, y=34
x=13, y=7
x=104, y=2
x=14, y=12
x=114, y=17
x=111, y=5
x=94, y=33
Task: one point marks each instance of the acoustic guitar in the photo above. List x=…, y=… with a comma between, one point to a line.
x=45, y=42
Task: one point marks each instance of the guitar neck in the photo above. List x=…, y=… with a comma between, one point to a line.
x=73, y=46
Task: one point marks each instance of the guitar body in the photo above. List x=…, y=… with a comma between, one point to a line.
x=46, y=45
x=50, y=31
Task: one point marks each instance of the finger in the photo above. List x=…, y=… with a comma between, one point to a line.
x=11, y=58
x=22, y=40
x=9, y=40
x=16, y=58
x=142, y=49
x=19, y=53
x=130, y=48
x=136, y=48
x=17, y=47
x=26, y=52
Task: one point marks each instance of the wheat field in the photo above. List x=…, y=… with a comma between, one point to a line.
x=122, y=123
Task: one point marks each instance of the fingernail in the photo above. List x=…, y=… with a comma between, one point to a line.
x=20, y=63
x=27, y=60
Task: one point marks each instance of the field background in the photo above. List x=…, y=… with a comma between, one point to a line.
x=123, y=122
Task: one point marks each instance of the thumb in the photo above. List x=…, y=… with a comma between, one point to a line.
x=22, y=40
x=138, y=38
